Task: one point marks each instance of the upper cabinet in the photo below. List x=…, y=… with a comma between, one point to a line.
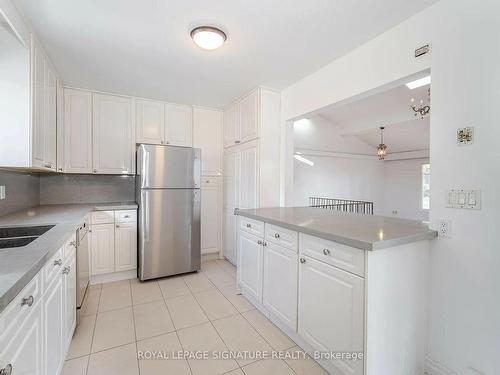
x=231, y=126
x=249, y=116
x=207, y=124
x=178, y=125
x=150, y=122
x=113, y=130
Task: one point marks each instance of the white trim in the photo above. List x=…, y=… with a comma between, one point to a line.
x=435, y=368
x=114, y=276
x=333, y=154
x=405, y=155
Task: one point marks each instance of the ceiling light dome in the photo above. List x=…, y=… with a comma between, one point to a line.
x=208, y=37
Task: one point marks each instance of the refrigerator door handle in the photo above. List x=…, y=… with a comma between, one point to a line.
x=145, y=230
x=145, y=169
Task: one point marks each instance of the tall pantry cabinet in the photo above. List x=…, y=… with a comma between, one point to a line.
x=251, y=178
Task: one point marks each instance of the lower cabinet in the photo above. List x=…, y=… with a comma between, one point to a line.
x=103, y=248
x=280, y=283
x=331, y=311
x=230, y=236
x=125, y=246
x=250, y=265
x=53, y=325
x=69, y=298
x=210, y=215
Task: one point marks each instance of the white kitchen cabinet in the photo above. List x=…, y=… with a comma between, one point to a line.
x=102, y=248
x=231, y=126
x=113, y=135
x=280, y=268
x=69, y=305
x=249, y=116
x=50, y=132
x=125, y=247
x=230, y=236
x=211, y=215
x=249, y=175
x=23, y=352
x=207, y=131
x=250, y=265
x=331, y=311
x=231, y=178
x=60, y=126
x=53, y=326
x=150, y=121
x=179, y=125
x=77, y=131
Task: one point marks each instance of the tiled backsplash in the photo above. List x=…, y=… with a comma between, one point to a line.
x=22, y=191
x=59, y=189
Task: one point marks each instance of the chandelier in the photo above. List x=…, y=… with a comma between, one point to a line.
x=422, y=109
x=381, y=148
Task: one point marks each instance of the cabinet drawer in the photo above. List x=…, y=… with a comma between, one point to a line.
x=252, y=226
x=344, y=257
x=281, y=236
x=103, y=217
x=126, y=216
x=16, y=311
x=53, y=267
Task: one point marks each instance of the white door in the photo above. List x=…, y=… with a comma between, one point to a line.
x=179, y=125
x=249, y=117
x=113, y=135
x=23, y=351
x=125, y=246
x=102, y=248
x=250, y=264
x=210, y=215
x=280, y=283
x=230, y=244
x=53, y=326
x=248, y=184
x=149, y=122
x=77, y=131
x=39, y=90
x=69, y=288
x=207, y=124
x=231, y=128
x=331, y=311
x=231, y=178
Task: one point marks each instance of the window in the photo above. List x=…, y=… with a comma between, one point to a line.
x=426, y=186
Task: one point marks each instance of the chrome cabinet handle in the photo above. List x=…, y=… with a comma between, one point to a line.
x=276, y=235
x=72, y=243
x=249, y=225
x=60, y=169
x=66, y=270
x=161, y=142
x=27, y=301
x=264, y=243
x=117, y=226
x=326, y=251
x=58, y=262
x=7, y=370
x=259, y=242
x=237, y=142
x=168, y=142
x=126, y=216
x=302, y=260
x=95, y=170
x=48, y=165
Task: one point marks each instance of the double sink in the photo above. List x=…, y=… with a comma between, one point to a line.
x=21, y=236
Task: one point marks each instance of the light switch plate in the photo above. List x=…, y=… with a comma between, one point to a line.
x=2, y=192
x=465, y=199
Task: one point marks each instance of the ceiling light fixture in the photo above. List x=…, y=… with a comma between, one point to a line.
x=419, y=83
x=381, y=148
x=208, y=37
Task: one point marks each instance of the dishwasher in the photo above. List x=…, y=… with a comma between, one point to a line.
x=82, y=265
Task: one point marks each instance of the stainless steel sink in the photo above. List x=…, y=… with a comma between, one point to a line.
x=21, y=236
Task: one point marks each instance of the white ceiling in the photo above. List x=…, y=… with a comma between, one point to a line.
x=142, y=47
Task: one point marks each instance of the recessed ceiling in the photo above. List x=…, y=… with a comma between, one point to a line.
x=143, y=48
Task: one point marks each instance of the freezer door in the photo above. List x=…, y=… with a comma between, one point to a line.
x=168, y=167
x=169, y=232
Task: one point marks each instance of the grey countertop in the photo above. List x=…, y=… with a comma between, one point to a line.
x=366, y=232
x=19, y=265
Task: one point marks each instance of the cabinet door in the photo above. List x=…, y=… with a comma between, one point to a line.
x=210, y=215
x=24, y=350
x=248, y=184
x=125, y=246
x=179, y=125
x=60, y=126
x=113, y=140
x=53, y=326
x=249, y=117
x=50, y=131
x=77, y=131
x=69, y=288
x=280, y=283
x=231, y=178
x=208, y=137
x=231, y=126
x=331, y=311
x=230, y=244
x=38, y=105
x=250, y=264
x=149, y=122
x=102, y=248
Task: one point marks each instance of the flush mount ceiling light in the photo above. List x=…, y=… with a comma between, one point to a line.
x=208, y=37
x=419, y=83
x=381, y=148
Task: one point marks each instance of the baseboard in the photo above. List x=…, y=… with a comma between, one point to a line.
x=433, y=367
x=111, y=277
x=206, y=257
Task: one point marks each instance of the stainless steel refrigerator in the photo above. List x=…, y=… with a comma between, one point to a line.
x=169, y=198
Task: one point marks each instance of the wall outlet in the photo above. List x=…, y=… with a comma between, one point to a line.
x=2, y=192
x=444, y=229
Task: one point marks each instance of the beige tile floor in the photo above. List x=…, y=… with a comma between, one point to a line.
x=195, y=312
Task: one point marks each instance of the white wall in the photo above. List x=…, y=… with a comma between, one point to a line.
x=465, y=60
